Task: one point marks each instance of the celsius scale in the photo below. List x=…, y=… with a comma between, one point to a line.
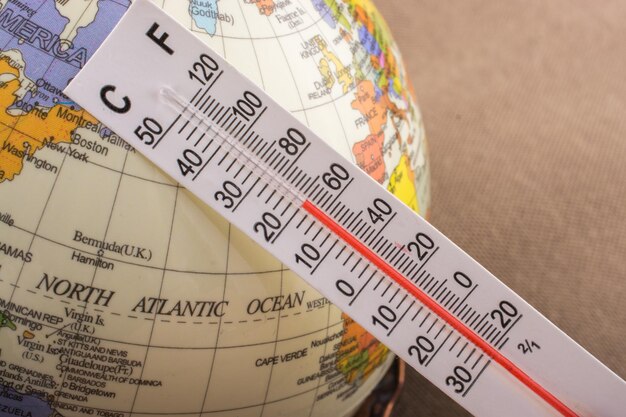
x=219, y=135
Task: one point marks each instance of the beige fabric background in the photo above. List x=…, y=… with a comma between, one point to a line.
x=524, y=103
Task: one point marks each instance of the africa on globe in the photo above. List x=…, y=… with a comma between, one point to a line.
x=121, y=294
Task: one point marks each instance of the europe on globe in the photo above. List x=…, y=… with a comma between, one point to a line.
x=123, y=295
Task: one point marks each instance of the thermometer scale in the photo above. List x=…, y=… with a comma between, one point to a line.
x=219, y=135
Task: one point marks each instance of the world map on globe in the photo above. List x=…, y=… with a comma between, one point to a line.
x=122, y=294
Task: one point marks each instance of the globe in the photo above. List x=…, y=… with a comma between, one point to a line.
x=120, y=293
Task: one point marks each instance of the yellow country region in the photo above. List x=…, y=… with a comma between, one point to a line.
x=342, y=73
x=327, y=74
x=402, y=183
x=22, y=135
x=359, y=353
x=378, y=353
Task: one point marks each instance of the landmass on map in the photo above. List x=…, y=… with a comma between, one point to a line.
x=23, y=132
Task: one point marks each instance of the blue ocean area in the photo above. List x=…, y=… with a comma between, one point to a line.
x=204, y=14
x=18, y=404
x=324, y=12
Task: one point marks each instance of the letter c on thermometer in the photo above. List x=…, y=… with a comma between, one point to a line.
x=104, y=92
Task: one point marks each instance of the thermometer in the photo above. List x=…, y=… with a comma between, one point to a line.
x=219, y=135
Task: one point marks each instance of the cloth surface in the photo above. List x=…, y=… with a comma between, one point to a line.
x=524, y=103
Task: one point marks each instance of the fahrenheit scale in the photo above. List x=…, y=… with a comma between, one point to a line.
x=215, y=132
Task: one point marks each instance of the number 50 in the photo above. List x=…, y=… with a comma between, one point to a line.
x=148, y=130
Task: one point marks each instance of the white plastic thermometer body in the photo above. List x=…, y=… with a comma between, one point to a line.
x=223, y=138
